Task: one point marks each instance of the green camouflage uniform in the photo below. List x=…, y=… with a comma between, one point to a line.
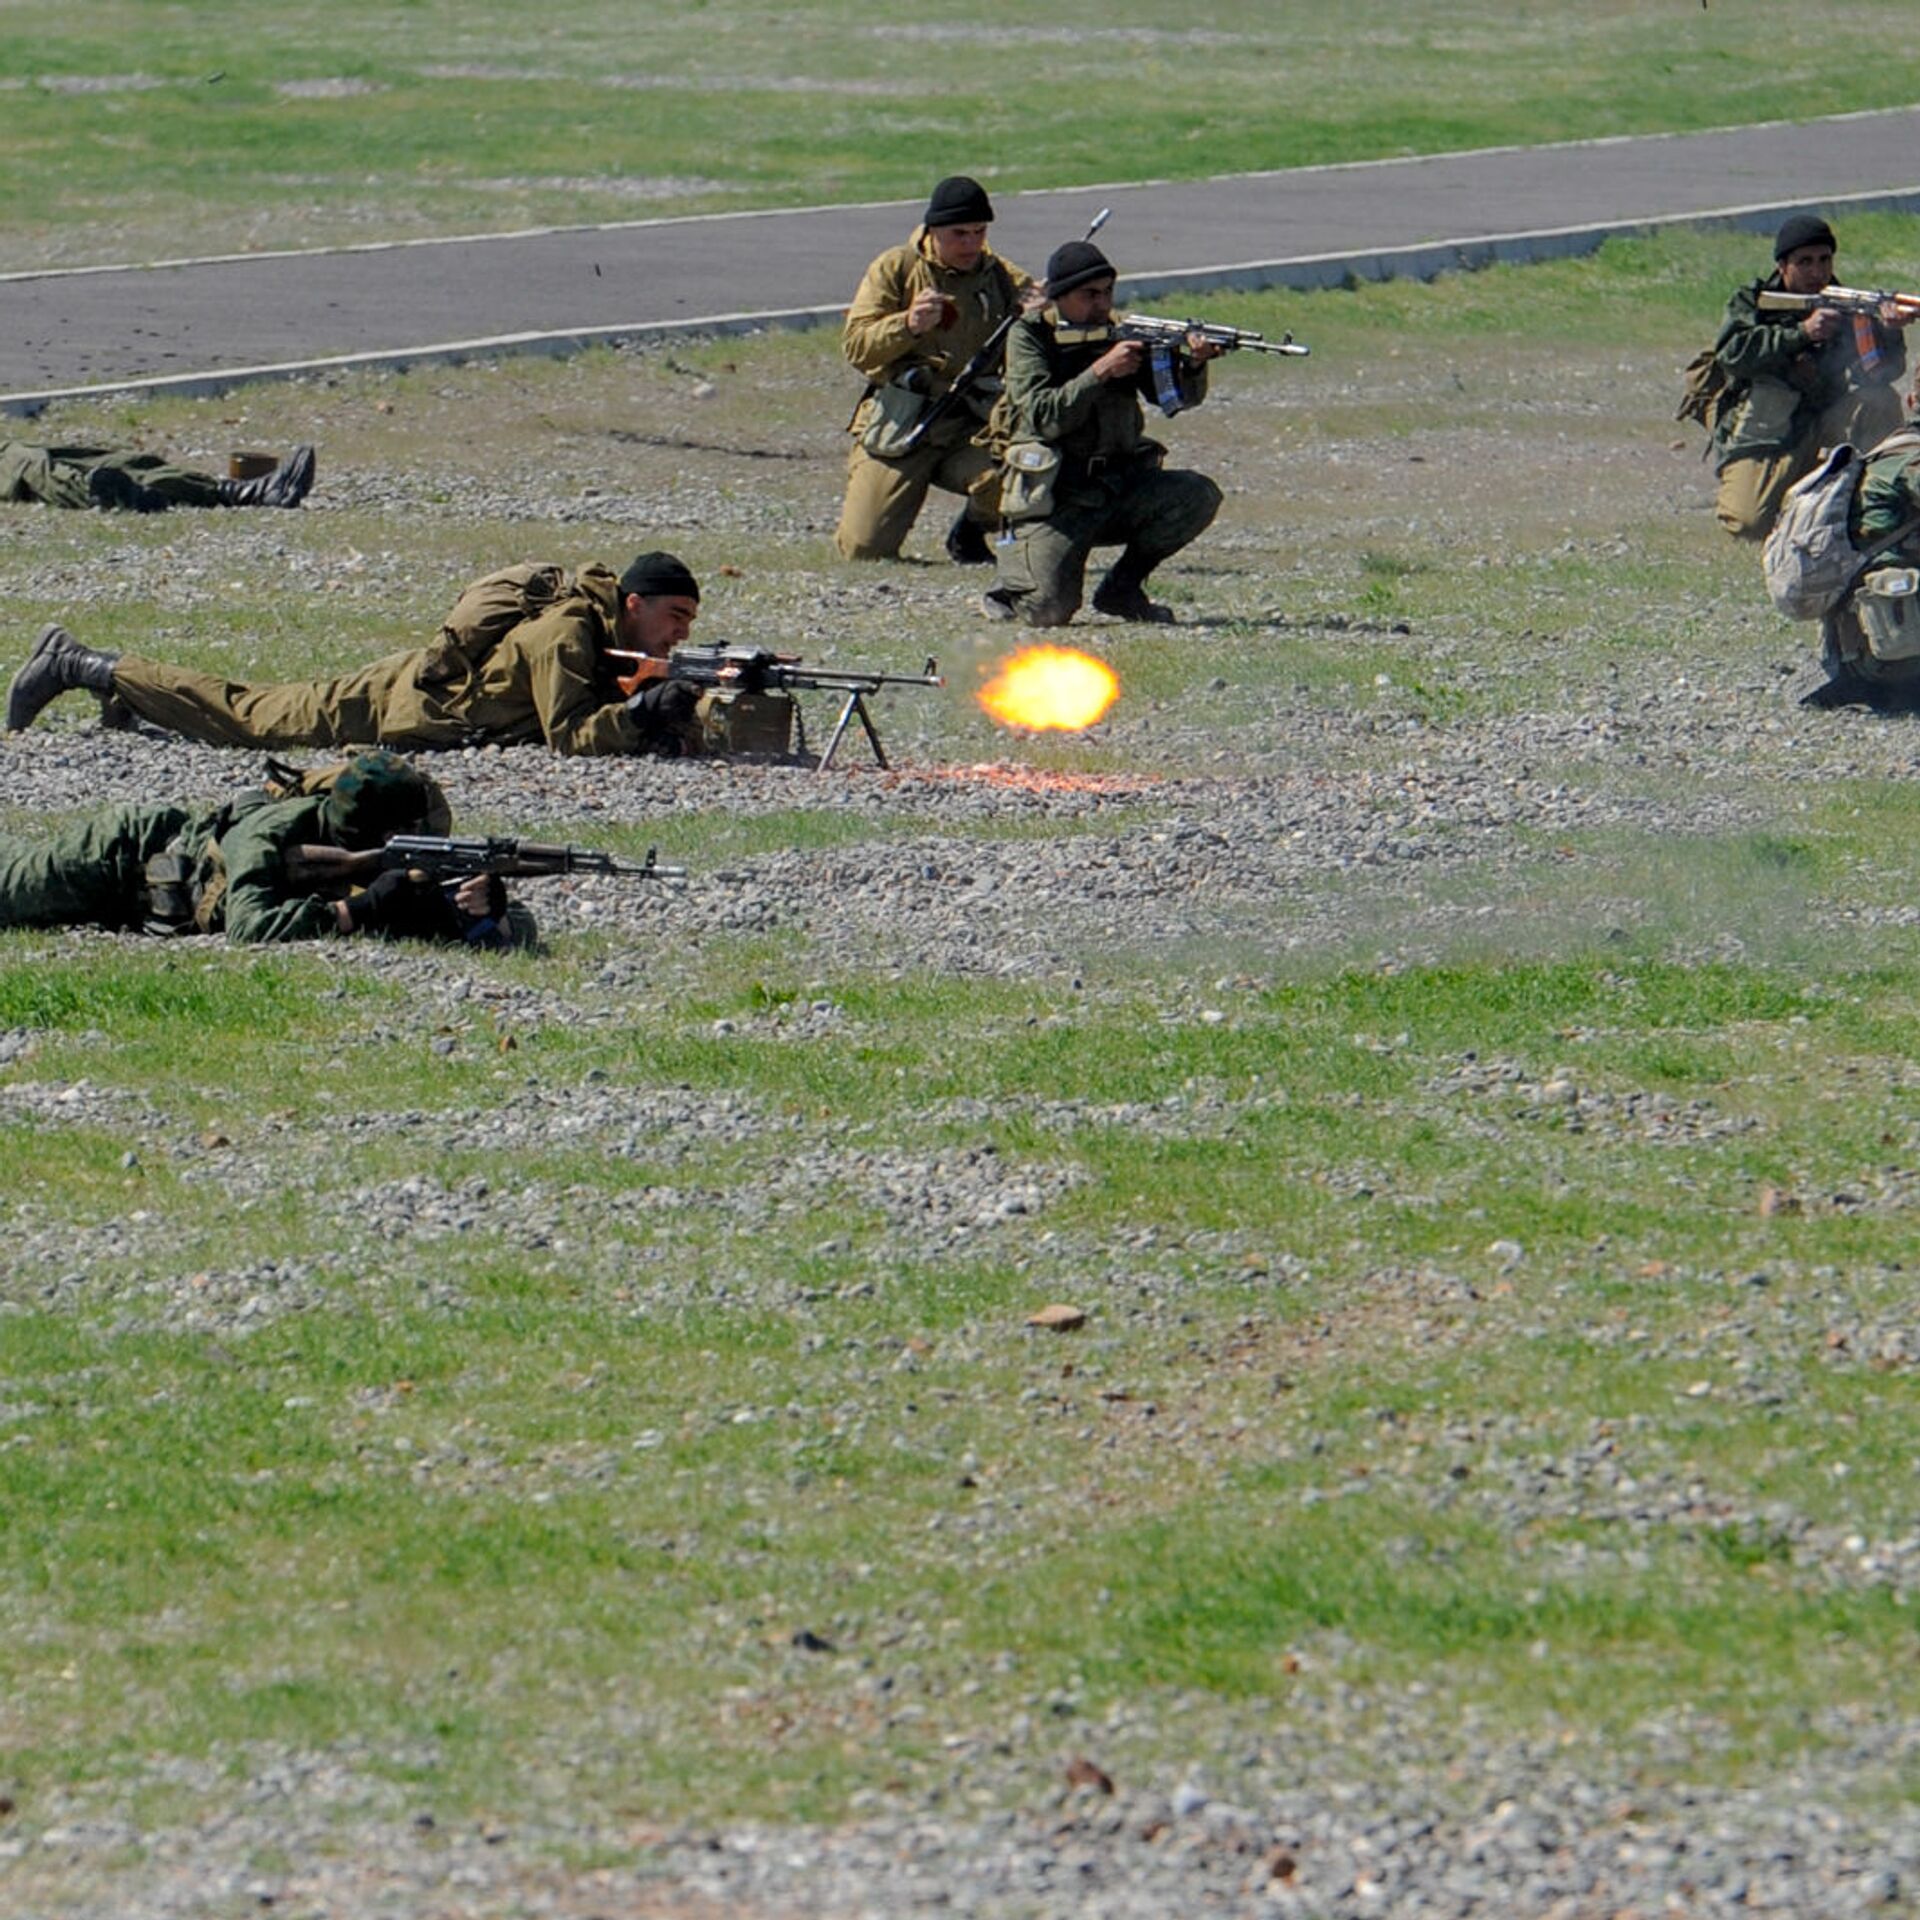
x=57, y=476
x=95, y=872
x=1886, y=499
x=1112, y=487
x=1798, y=396
x=233, y=863
x=884, y=496
x=547, y=679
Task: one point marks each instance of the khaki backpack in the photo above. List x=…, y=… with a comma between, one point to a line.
x=487, y=611
x=1707, y=391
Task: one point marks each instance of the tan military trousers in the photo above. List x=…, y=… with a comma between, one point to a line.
x=1750, y=492
x=884, y=497
x=344, y=712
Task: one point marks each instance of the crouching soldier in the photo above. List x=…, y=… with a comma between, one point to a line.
x=1080, y=471
x=528, y=654
x=235, y=868
x=141, y=482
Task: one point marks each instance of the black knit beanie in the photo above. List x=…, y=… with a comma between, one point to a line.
x=958, y=202
x=1075, y=265
x=1802, y=230
x=659, y=573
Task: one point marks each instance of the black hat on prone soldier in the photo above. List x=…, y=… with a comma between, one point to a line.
x=958, y=202
x=1802, y=230
x=1077, y=264
x=653, y=574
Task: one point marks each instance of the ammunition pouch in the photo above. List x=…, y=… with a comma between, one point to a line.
x=1887, y=604
x=168, y=902
x=743, y=725
x=1029, y=470
x=893, y=411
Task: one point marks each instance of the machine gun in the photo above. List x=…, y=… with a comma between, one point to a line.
x=1867, y=300
x=733, y=672
x=981, y=365
x=451, y=860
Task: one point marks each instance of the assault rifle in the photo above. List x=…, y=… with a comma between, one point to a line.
x=1174, y=333
x=452, y=860
x=981, y=365
x=1867, y=300
x=761, y=670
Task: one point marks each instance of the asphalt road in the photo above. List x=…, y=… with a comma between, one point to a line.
x=202, y=325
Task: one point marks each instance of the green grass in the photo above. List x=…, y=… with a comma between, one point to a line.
x=504, y=1500
x=225, y=126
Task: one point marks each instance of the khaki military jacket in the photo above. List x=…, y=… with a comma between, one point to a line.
x=1789, y=381
x=547, y=679
x=875, y=339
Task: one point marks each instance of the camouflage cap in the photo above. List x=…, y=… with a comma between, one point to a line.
x=378, y=794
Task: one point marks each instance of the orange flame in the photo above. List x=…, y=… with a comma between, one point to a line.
x=1050, y=687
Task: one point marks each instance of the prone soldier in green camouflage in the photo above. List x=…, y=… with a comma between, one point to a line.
x=1075, y=391
x=141, y=482
x=1801, y=383
x=224, y=869
x=549, y=676
x=922, y=312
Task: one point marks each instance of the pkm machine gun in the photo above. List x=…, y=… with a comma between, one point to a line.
x=746, y=701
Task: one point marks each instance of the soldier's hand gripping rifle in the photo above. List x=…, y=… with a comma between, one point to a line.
x=1897, y=309
x=761, y=670
x=983, y=363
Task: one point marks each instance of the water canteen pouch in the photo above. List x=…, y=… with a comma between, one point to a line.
x=1808, y=559
x=483, y=616
x=894, y=413
x=1028, y=471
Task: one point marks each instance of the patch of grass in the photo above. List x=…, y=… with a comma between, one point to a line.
x=224, y=129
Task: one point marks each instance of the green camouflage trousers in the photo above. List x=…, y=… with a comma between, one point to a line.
x=1150, y=513
x=57, y=476
x=91, y=873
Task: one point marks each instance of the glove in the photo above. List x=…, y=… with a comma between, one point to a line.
x=664, y=713
x=405, y=906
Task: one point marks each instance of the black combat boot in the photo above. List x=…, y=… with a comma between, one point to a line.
x=286, y=486
x=58, y=664
x=119, y=492
x=1123, y=594
x=967, y=543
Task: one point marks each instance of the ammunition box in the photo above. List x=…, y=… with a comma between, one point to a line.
x=746, y=725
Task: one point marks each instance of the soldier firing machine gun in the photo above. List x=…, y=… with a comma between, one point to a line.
x=747, y=705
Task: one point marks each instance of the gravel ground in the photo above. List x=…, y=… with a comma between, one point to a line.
x=1322, y=829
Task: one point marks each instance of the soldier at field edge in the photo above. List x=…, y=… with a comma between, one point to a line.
x=141, y=482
